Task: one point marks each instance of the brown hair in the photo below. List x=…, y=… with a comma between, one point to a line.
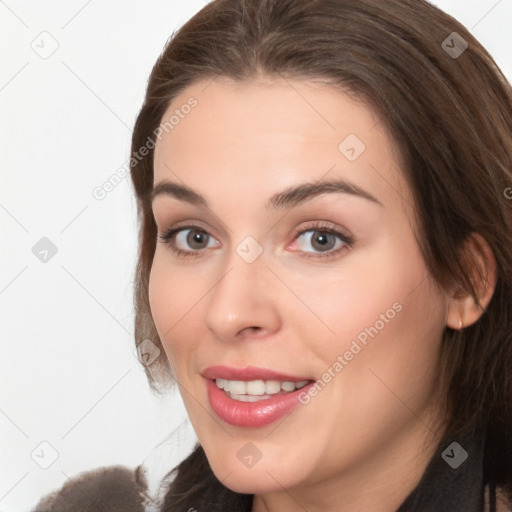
x=451, y=118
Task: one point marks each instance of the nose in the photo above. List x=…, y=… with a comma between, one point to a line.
x=242, y=303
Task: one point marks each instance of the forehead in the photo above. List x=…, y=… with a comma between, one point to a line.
x=265, y=134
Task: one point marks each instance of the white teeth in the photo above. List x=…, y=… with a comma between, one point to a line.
x=253, y=390
x=248, y=398
x=222, y=383
x=288, y=386
x=237, y=387
x=272, y=387
x=255, y=387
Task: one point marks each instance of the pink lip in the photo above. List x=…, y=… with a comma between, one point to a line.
x=250, y=414
x=248, y=373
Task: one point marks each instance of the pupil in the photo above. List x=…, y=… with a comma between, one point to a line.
x=323, y=240
x=196, y=237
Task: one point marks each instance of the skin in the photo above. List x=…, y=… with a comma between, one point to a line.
x=364, y=441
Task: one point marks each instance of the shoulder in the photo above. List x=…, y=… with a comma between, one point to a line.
x=114, y=488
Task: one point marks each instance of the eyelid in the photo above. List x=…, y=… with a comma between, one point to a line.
x=169, y=237
x=342, y=234
x=324, y=225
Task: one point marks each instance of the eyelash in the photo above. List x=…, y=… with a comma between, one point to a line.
x=169, y=239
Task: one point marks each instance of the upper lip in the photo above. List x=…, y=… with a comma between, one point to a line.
x=248, y=373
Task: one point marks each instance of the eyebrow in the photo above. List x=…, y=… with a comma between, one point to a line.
x=289, y=197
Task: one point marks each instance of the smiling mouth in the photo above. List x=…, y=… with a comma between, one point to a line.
x=253, y=397
x=256, y=390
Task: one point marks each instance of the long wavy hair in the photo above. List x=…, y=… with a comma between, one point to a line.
x=449, y=110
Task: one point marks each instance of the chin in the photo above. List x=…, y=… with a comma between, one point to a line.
x=258, y=479
x=250, y=483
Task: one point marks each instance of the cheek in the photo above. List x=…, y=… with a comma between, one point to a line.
x=389, y=342
x=385, y=316
x=369, y=295
x=174, y=300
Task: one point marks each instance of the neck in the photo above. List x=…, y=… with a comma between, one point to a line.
x=380, y=482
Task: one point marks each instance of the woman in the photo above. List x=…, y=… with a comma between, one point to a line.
x=324, y=191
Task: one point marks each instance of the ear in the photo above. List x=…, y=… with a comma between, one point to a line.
x=462, y=310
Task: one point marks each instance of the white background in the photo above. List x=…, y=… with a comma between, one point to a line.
x=69, y=375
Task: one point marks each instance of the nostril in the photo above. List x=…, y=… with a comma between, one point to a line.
x=248, y=331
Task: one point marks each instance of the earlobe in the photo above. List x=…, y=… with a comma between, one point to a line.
x=462, y=309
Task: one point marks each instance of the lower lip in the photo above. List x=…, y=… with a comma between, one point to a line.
x=252, y=414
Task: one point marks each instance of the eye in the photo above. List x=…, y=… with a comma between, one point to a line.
x=325, y=240
x=188, y=241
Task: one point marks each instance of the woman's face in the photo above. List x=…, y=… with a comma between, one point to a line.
x=264, y=281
